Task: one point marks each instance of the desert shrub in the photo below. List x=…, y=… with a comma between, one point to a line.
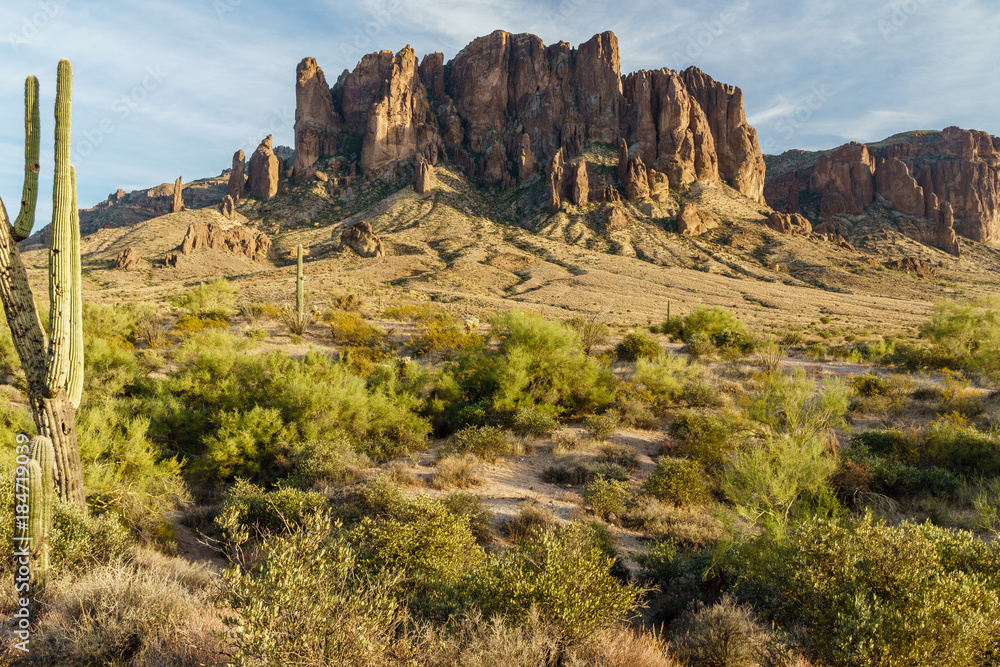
x=347, y=301
x=417, y=312
x=691, y=526
x=403, y=473
x=620, y=455
x=607, y=497
x=885, y=441
x=214, y=300
x=768, y=354
x=637, y=345
x=950, y=442
x=297, y=323
x=603, y=426
x=125, y=472
x=957, y=396
x=351, y=329
x=331, y=461
x=870, y=384
x=709, y=437
x=308, y=601
x=487, y=442
x=10, y=363
x=580, y=472
x=246, y=443
x=533, y=574
x=892, y=477
x=537, y=363
x=664, y=378
x=712, y=322
x=659, y=562
x=796, y=405
x=110, y=369
x=677, y=481
x=459, y=471
x=968, y=333
x=724, y=634
x=530, y=521
x=871, y=594
x=565, y=443
x=532, y=420
x=733, y=342
x=256, y=311
x=471, y=506
x=699, y=345
x=872, y=352
x=431, y=547
x=593, y=331
x=113, y=323
x=121, y=614
x=249, y=512
x=80, y=540
x=444, y=338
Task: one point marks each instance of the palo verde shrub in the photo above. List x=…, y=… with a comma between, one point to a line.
x=677, y=481
x=607, y=497
x=214, y=300
x=709, y=321
x=637, y=345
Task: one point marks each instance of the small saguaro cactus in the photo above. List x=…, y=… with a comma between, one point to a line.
x=52, y=360
x=300, y=294
x=41, y=494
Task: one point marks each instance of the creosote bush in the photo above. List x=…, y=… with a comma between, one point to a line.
x=637, y=345
x=677, y=481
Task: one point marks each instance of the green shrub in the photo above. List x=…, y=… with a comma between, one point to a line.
x=620, y=455
x=444, y=338
x=430, y=546
x=579, y=472
x=637, y=345
x=593, y=331
x=216, y=299
x=890, y=442
x=709, y=437
x=677, y=481
x=352, y=330
x=530, y=521
x=968, y=333
x=246, y=442
x=870, y=384
x=602, y=427
x=665, y=378
x=699, y=345
x=659, y=562
x=332, y=461
x=487, y=442
x=308, y=601
x=534, y=574
x=893, y=477
x=871, y=594
x=724, y=634
x=249, y=512
x=459, y=471
x=532, y=420
x=703, y=320
x=471, y=506
x=796, y=405
x=606, y=497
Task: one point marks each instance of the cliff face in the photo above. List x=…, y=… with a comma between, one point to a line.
x=943, y=183
x=508, y=103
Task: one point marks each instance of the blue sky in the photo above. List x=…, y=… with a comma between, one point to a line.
x=165, y=88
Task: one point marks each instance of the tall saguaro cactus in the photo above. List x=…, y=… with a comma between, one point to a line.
x=300, y=293
x=53, y=363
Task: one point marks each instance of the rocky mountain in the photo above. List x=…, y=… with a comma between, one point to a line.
x=936, y=186
x=508, y=104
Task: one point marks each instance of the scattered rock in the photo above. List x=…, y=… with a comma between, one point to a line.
x=912, y=265
x=611, y=194
x=789, y=223
x=692, y=221
x=362, y=240
x=243, y=241
x=129, y=260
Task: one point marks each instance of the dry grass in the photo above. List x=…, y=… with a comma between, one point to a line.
x=403, y=474
x=530, y=520
x=691, y=525
x=457, y=471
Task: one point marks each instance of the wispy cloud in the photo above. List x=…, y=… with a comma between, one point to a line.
x=229, y=65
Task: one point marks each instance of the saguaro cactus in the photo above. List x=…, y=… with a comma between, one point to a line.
x=41, y=493
x=300, y=281
x=53, y=363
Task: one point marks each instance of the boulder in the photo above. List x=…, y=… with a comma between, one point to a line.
x=912, y=265
x=636, y=180
x=129, y=260
x=363, y=240
x=251, y=244
x=693, y=221
x=616, y=219
x=264, y=169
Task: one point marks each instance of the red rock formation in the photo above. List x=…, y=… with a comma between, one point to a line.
x=530, y=100
x=237, y=177
x=616, y=219
x=178, y=203
x=636, y=180
x=580, y=183
x=129, y=260
x=423, y=176
x=264, y=168
x=228, y=208
x=363, y=240
x=692, y=221
x=249, y=243
x=554, y=177
x=610, y=194
x=844, y=180
x=786, y=223
x=317, y=125
x=897, y=188
x=912, y=265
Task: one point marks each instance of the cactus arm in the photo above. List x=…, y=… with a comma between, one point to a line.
x=41, y=494
x=74, y=385
x=60, y=282
x=300, y=301
x=32, y=136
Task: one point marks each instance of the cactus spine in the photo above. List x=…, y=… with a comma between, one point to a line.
x=53, y=364
x=300, y=292
x=41, y=494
